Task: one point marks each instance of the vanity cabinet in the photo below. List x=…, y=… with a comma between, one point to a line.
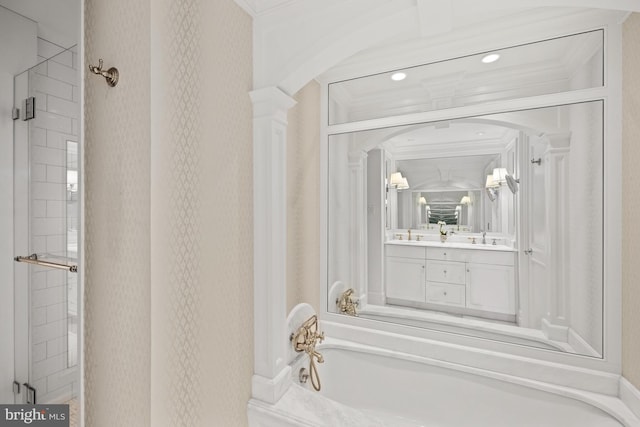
x=474, y=281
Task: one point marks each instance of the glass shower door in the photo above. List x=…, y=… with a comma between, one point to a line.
x=46, y=232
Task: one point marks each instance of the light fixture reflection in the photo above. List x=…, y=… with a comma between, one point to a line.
x=492, y=57
x=396, y=77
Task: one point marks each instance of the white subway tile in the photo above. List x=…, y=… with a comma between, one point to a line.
x=47, y=296
x=49, y=331
x=47, y=49
x=39, y=136
x=38, y=172
x=57, y=278
x=56, y=346
x=41, y=68
x=63, y=73
x=38, y=209
x=63, y=378
x=63, y=107
x=75, y=127
x=56, y=245
x=39, y=280
x=47, y=120
x=39, y=351
x=53, y=87
x=58, y=140
x=48, y=156
x=56, y=208
x=57, y=174
x=38, y=316
x=48, y=226
x=38, y=244
x=56, y=312
x=75, y=94
x=48, y=191
x=48, y=366
x=41, y=101
x=65, y=58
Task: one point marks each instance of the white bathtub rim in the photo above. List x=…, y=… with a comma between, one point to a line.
x=630, y=395
x=611, y=405
x=548, y=371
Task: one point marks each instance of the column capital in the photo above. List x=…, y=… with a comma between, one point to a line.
x=271, y=102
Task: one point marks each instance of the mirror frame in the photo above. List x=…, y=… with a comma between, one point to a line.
x=438, y=344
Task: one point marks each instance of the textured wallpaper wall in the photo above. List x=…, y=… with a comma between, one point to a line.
x=303, y=198
x=202, y=216
x=631, y=201
x=117, y=164
x=169, y=256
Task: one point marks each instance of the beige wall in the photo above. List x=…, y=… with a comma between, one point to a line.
x=303, y=198
x=631, y=201
x=169, y=238
x=116, y=262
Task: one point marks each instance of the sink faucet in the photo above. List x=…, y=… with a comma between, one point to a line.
x=484, y=237
x=409, y=232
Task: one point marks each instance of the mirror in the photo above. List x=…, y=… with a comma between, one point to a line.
x=519, y=261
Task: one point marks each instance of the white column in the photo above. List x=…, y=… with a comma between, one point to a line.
x=358, y=222
x=271, y=373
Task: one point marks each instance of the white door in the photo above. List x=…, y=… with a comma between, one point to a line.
x=536, y=244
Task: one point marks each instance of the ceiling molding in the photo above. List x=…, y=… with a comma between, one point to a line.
x=257, y=8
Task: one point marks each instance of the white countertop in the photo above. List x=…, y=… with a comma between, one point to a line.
x=452, y=245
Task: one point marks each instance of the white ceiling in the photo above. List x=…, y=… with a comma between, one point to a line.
x=58, y=20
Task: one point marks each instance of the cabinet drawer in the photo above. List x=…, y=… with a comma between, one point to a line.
x=471, y=255
x=442, y=293
x=446, y=254
x=401, y=251
x=446, y=272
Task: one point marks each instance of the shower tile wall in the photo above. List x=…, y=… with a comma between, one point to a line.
x=54, y=84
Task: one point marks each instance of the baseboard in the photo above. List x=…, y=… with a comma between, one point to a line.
x=630, y=396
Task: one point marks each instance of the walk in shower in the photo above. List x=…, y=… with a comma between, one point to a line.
x=46, y=230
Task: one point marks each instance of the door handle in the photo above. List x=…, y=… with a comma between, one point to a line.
x=528, y=251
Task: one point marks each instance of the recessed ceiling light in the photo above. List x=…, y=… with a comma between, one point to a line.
x=480, y=133
x=398, y=76
x=492, y=57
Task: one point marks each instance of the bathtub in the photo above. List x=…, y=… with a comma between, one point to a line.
x=367, y=386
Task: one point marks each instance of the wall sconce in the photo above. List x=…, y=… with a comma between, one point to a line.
x=422, y=201
x=491, y=183
x=398, y=181
x=500, y=176
x=466, y=200
x=395, y=179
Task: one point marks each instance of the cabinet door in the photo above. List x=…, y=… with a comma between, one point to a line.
x=491, y=288
x=405, y=279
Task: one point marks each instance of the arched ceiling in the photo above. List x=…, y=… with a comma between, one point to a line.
x=297, y=40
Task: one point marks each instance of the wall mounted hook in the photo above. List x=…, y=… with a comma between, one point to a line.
x=111, y=74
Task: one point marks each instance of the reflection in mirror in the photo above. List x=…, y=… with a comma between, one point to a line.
x=461, y=250
x=557, y=65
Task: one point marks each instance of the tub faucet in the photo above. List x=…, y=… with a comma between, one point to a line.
x=409, y=233
x=346, y=304
x=305, y=339
x=484, y=237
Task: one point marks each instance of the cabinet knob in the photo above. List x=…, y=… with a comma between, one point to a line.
x=445, y=272
x=445, y=293
x=468, y=271
x=445, y=254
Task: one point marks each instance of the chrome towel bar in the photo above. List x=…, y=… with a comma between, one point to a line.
x=33, y=259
